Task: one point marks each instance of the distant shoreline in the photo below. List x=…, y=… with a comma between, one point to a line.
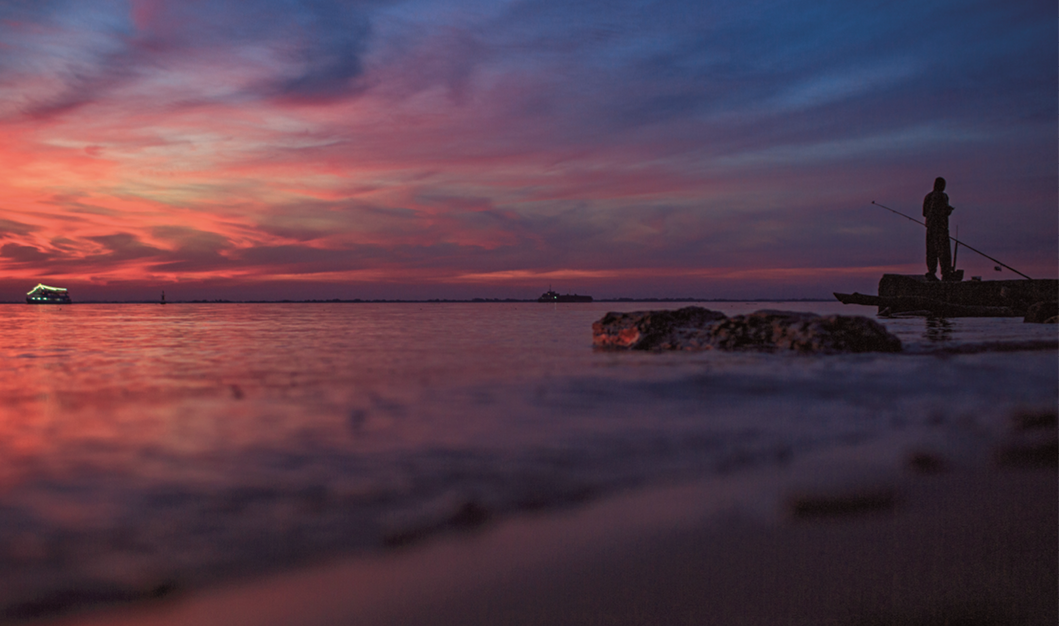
x=438, y=301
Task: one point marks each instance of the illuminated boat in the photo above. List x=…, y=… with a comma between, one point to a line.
x=551, y=296
x=43, y=294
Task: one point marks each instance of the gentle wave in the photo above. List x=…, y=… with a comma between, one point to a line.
x=148, y=448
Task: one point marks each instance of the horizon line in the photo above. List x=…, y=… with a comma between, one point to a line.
x=427, y=301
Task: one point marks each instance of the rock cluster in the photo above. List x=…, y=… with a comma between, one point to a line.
x=696, y=328
x=1043, y=313
x=683, y=329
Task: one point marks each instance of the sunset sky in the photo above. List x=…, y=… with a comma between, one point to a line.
x=270, y=149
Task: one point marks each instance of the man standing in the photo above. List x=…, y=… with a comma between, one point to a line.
x=937, y=210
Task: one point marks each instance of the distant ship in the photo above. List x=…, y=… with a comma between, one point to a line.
x=551, y=296
x=43, y=294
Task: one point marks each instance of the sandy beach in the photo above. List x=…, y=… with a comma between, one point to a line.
x=926, y=541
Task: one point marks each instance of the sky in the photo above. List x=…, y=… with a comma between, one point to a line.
x=299, y=149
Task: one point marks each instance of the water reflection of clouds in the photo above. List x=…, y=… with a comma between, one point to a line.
x=194, y=442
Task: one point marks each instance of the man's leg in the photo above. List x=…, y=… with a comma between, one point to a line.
x=945, y=253
x=932, y=254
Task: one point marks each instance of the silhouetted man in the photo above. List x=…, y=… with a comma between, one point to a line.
x=936, y=209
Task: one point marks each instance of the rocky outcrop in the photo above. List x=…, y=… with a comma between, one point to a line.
x=683, y=329
x=1043, y=313
x=803, y=332
x=696, y=328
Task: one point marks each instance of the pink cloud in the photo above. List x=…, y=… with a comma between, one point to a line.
x=186, y=143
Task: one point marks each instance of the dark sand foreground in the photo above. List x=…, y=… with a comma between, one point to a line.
x=929, y=545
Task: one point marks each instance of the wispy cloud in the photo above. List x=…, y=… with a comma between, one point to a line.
x=421, y=142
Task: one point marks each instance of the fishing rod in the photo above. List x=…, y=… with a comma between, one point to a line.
x=955, y=251
x=958, y=242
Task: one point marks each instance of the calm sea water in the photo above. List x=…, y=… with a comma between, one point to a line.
x=189, y=443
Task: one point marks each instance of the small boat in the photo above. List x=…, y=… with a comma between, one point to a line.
x=924, y=294
x=551, y=296
x=973, y=298
x=163, y=298
x=43, y=294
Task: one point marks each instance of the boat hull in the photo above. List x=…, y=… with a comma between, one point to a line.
x=1015, y=294
x=551, y=296
x=974, y=298
x=567, y=299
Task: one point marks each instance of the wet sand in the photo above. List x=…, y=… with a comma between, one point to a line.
x=929, y=544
